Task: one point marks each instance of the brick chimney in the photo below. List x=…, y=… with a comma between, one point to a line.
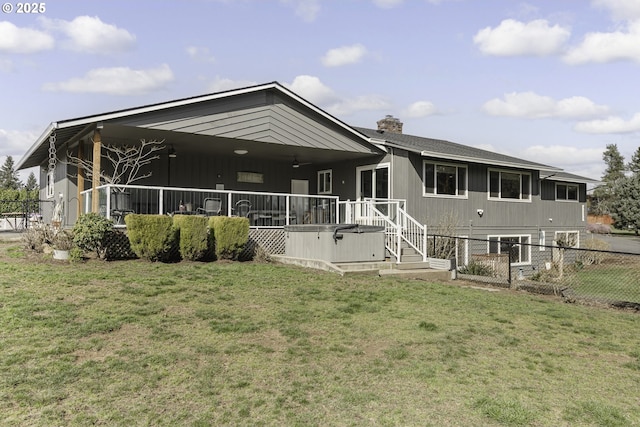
x=390, y=124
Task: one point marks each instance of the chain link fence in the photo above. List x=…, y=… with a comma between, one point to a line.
x=591, y=273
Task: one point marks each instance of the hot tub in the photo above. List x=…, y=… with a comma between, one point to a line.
x=335, y=242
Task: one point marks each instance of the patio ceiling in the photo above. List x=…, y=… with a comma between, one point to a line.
x=219, y=146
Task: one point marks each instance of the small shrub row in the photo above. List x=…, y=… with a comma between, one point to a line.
x=161, y=238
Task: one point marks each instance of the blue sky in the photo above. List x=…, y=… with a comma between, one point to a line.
x=548, y=80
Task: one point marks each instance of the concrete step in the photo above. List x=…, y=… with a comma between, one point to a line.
x=412, y=265
x=411, y=258
x=421, y=274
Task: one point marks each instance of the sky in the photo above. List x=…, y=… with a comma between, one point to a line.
x=550, y=81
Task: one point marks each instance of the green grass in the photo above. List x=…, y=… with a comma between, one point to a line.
x=198, y=344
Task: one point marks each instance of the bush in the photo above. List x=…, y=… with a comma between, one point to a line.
x=589, y=257
x=36, y=238
x=230, y=235
x=89, y=233
x=193, y=236
x=475, y=268
x=152, y=237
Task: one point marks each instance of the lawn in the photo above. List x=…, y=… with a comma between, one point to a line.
x=133, y=343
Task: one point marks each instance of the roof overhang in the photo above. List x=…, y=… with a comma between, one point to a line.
x=72, y=130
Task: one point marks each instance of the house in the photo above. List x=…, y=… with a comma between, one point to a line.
x=287, y=161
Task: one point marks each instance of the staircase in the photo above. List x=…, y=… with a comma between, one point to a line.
x=405, y=241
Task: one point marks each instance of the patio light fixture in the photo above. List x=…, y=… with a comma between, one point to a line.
x=172, y=152
x=241, y=151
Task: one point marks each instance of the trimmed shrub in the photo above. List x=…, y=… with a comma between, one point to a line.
x=230, y=235
x=152, y=237
x=89, y=233
x=193, y=236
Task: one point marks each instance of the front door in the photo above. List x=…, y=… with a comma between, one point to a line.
x=299, y=204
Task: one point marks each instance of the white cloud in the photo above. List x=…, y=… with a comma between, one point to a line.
x=117, y=81
x=530, y=105
x=607, y=47
x=567, y=155
x=221, y=85
x=420, y=109
x=387, y=4
x=14, y=39
x=515, y=38
x=344, y=55
x=91, y=35
x=622, y=10
x=610, y=125
x=313, y=90
x=348, y=106
x=307, y=10
x=200, y=54
x=15, y=143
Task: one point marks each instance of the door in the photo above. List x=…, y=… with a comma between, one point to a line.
x=372, y=182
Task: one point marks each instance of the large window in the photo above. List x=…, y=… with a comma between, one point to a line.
x=441, y=179
x=324, y=181
x=567, y=192
x=517, y=247
x=506, y=185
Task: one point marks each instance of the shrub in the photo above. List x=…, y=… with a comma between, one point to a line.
x=152, y=237
x=193, y=236
x=36, y=238
x=593, y=257
x=89, y=233
x=475, y=268
x=230, y=235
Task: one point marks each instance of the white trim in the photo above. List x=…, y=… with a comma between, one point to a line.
x=493, y=162
x=576, y=200
x=506, y=199
x=527, y=246
x=444, y=196
x=325, y=172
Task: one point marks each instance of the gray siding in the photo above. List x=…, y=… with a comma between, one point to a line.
x=500, y=217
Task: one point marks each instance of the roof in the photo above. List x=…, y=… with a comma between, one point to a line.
x=438, y=148
x=71, y=130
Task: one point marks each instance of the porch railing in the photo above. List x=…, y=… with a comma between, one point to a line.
x=261, y=208
x=400, y=227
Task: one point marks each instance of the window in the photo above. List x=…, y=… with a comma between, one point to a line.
x=567, y=239
x=324, y=181
x=506, y=185
x=442, y=179
x=50, y=184
x=517, y=247
x=567, y=192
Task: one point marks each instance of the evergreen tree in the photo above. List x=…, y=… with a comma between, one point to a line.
x=604, y=194
x=9, y=176
x=634, y=164
x=625, y=206
x=32, y=182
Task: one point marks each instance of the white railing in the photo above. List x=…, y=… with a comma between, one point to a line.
x=390, y=213
x=263, y=209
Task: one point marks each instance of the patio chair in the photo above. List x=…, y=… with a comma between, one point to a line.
x=120, y=206
x=212, y=207
x=243, y=208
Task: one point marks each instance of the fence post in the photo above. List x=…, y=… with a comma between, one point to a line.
x=509, y=263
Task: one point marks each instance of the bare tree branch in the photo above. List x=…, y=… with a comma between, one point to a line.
x=126, y=162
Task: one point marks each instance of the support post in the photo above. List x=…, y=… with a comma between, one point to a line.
x=97, y=155
x=81, y=176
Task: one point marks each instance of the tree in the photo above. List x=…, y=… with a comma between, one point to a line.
x=604, y=194
x=32, y=182
x=634, y=165
x=9, y=176
x=625, y=207
x=126, y=162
